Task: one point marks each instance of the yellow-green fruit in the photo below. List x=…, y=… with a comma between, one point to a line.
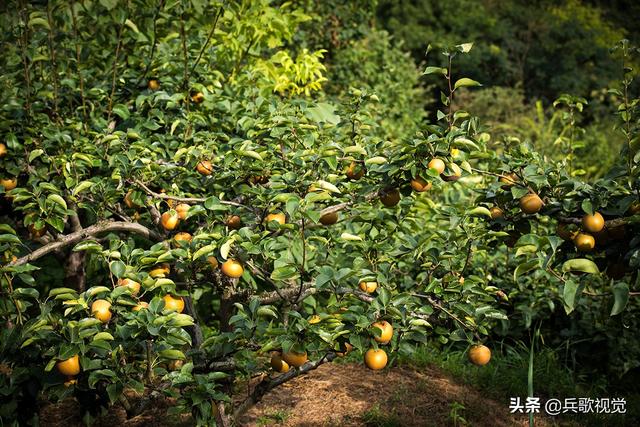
x=173, y=304
x=70, y=366
x=418, y=184
x=169, y=220
x=368, y=287
x=294, y=358
x=101, y=310
x=531, y=204
x=593, y=223
x=232, y=268
x=9, y=183
x=182, y=209
x=496, y=212
x=329, y=219
x=479, y=355
x=386, y=331
x=131, y=284
x=280, y=218
x=375, y=359
x=153, y=84
x=279, y=365
x=437, y=164
x=584, y=242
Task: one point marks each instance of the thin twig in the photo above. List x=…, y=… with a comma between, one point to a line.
x=155, y=41
x=185, y=199
x=206, y=44
x=54, y=64
x=435, y=304
x=74, y=23
x=115, y=65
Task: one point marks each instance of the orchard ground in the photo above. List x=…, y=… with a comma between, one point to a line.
x=338, y=394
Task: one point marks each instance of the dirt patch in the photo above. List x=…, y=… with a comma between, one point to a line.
x=68, y=413
x=334, y=395
x=352, y=395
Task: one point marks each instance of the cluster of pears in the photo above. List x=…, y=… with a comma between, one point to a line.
x=391, y=196
x=584, y=239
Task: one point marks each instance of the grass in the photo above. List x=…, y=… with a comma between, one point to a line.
x=506, y=376
x=379, y=418
x=273, y=418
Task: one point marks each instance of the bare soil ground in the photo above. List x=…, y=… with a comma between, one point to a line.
x=352, y=395
x=337, y=395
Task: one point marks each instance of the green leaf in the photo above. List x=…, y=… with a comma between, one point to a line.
x=284, y=272
x=88, y=245
x=105, y=336
x=59, y=291
x=350, y=237
x=7, y=228
x=252, y=154
x=109, y=4
x=587, y=206
x=84, y=185
x=569, y=294
x=26, y=292
x=57, y=199
x=327, y=186
x=465, y=82
x=9, y=238
x=205, y=250
x=266, y=311
x=383, y=296
x=434, y=70
x=323, y=112
x=95, y=290
x=179, y=320
x=35, y=154
x=378, y=160
x=620, y=298
x=524, y=267
x=526, y=249
x=172, y=354
x=464, y=47
x=225, y=248
x=580, y=264
x=56, y=222
x=117, y=268
x=131, y=25
x=480, y=210
x=122, y=111
x=36, y=20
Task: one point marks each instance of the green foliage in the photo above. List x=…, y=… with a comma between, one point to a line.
x=506, y=377
x=375, y=65
x=538, y=45
x=556, y=132
x=112, y=131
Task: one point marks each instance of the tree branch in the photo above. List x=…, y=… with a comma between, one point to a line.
x=435, y=304
x=268, y=384
x=308, y=289
x=101, y=227
x=611, y=223
x=184, y=199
